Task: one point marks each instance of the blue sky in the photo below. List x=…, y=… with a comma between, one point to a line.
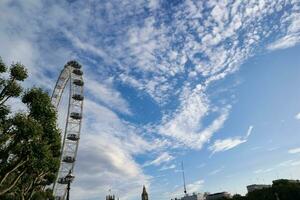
x=212, y=83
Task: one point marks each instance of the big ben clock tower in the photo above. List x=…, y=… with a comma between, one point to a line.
x=144, y=194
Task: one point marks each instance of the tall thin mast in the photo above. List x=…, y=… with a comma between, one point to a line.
x=183, y=176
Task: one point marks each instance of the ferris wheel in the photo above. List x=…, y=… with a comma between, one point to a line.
x=72, y=75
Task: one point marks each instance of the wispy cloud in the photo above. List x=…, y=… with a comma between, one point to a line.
x=297, y=116
x=193, y=187
x=216, y=171
x=283, y=164
x=105, y=93
x=185, y=126
x=272, y=148
x=289, y=163
x=104, y=151
x=229, y=143
x=262, y=171
x=292, y=36
x=294, y=150
x=201, y=165
x=167, y=167
x=162, y=158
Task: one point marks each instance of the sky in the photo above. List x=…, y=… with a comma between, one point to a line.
x=214, y=84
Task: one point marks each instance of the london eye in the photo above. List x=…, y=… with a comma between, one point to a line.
x=70, y=77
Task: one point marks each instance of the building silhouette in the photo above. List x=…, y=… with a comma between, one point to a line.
x=253, y=187
x=194, y=196
x=218, y=195
x=110, y=197
x=144, y=194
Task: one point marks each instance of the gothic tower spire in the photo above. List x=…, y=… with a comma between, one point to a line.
x=144, y=194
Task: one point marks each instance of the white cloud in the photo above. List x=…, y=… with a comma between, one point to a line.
x=107, y=94
x=229, y=143
x=297, y=116
x=162, y=158
x=249, y=131
x=226, y=144
x=285, y=42
x=85, y=46
x=193, y=187
x=284, y=164
x=262, y=171
x=167, y=167
x=100, y=166
x=292, y=36
x=107, y=145
x=153, y=4
x=289, y=163
x=294, y=151
x=214, y=172
x=185, y=126
x=272, y=149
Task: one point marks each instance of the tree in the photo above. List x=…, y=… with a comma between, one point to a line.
x=238, y=197
x=29, y=141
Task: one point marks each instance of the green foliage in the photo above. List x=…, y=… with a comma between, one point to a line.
x=287, y=191
x=18, y=72
x=29, y=142
x=10, y=87
x=43, y=195
x=238, y=197
x=263, y=194
x=13, y=89
x=282, y=189
x=2, y=66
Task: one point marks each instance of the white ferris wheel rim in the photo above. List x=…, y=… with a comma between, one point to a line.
x=71, y=74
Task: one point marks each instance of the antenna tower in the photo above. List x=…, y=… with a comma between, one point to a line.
x=183, y=176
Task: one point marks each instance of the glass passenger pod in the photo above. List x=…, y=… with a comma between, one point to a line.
x=69, y=159
x=78, y=97
x=77, y=72
x=74, y=64
x=78, y=82
x=73, y=137
x=75, y=115
x=62, y=181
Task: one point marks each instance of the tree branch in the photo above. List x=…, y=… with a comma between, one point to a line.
x=4, y=100
x=31, y=189
x=13, y=184
x=2, y=94
x=15, y=168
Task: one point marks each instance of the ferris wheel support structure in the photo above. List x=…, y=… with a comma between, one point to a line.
x=72, y=75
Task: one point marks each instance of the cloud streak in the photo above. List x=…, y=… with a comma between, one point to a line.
x=162, y=158
x=294, y=151
x=229, y=143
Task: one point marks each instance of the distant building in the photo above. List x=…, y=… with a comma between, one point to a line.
x=218, y=195
x=144, y=194
x=194, y=196
x=253, y=187
x=110, y=197
x=284, y=181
